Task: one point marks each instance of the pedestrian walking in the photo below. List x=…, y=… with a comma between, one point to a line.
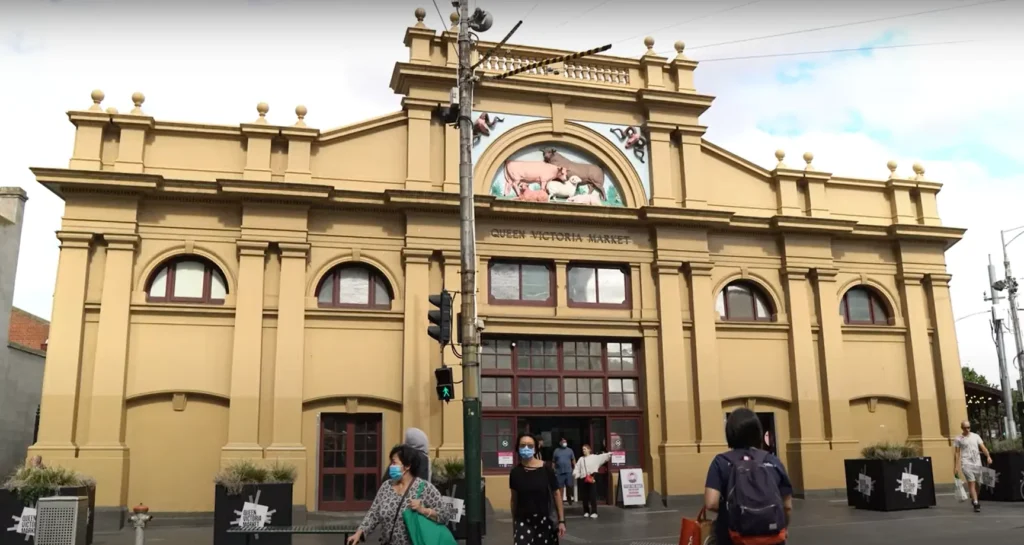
x=564, y=460
x=417, y=439
x=967, y=450
x=534, y=491
x=402, y=491
x=747, y=487
x=586, y=467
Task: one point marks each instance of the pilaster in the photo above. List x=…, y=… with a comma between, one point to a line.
x=132, y=143
x=950, y=377
x=787, y=195
x=662, y=181
x=682, y=69
x=290, y=363
x=60, y=375
x=652, y=66
x=418, y=149
x=811, y=462
x=452, y=439
x=105, y=456
x=300, y=143
x=695, y=192
x=451, y=159
x=924, y=406
x=901, y=204
x=259, y=136
x=838, y=424
x=417, y=39
x=416, y=343
x=667, y=366
x=702, y=304
x=816, y=189
x=561, y=287
x=247, y=353
x=89, y=126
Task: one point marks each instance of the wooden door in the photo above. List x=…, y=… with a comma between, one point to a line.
x=350, y=455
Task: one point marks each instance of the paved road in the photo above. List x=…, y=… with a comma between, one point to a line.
x=815, y=522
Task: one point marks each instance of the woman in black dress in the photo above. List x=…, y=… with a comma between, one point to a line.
x=534, y=492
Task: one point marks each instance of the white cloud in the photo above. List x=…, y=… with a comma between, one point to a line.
x=214, y=61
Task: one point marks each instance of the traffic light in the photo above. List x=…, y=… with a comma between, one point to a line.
x=440, y=328
x=445, y=384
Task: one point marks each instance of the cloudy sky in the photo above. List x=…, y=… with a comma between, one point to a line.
x=943, y=88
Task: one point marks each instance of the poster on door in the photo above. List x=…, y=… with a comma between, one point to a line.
x=618, y=454
x=632, y=483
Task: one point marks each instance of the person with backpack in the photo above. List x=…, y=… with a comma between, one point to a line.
x=748, y=488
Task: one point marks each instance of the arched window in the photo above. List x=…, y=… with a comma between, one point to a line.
x=744, y=302
x=187, y=279
x=354, y=286
x=863, y=306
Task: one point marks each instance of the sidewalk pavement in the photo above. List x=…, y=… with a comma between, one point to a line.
x=815, y=522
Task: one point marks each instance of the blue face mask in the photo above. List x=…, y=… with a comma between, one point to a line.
x=525, y=453
x=395, y=472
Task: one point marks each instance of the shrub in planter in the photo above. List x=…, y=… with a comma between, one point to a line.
x=266, y=490
x=1004, y=479
x=27, y=484
x=449, y=476
x=890, y=477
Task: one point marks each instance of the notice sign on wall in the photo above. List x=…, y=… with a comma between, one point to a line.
x=631, y=481
x=505, y=453
x=618, y=455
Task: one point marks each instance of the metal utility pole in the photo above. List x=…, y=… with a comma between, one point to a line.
x=1011, y=288
x=1004, y=375
x=467, y=243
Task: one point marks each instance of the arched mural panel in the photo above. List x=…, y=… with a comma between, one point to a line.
x=556, y=172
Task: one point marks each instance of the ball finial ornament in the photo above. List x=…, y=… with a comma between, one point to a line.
x=649, y=42
x=780, y=155
x=680, y=46
x=891, y=165
x=420, y=14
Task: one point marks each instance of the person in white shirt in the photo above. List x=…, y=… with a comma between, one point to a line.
x=967, y=450
x=586, y=467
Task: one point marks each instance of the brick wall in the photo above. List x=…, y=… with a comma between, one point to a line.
x=28, y=330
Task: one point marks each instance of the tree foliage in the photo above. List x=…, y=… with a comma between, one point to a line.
x=970, y=375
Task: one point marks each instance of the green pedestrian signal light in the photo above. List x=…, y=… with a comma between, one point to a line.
x=445, y=384
x=440, y=328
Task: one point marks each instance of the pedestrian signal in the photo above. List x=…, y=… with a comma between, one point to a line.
x=445, y=384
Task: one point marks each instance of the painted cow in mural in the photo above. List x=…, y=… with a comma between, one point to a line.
x=589, y=174
x=530, y=172
x=532, y=195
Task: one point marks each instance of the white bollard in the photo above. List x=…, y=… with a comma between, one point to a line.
x=139, y=520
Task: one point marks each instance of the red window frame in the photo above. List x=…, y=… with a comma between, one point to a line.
x=374, y=277
x=171, y=266
x=873, y=300
x=624, y=269
x=550, y=301
x=752, y=291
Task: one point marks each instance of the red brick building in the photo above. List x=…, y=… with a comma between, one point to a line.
x=28, y=331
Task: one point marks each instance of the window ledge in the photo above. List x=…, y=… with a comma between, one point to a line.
x=192, y=308
x=362, y=314
x=866, y=328
x=735, y=325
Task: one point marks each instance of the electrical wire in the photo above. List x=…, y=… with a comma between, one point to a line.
x=444, y=24
x=579, y=16
x=825, y=51
x=841, y=25
x=675, y=25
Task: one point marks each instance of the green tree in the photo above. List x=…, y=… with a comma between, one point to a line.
x=970, y=375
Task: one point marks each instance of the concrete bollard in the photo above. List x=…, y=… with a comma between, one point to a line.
x=139, y=520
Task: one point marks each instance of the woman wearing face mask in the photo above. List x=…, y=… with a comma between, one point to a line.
x=401, y=491
x=584, y=471
x=534, y=491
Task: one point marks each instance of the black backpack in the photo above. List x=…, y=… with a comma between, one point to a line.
x=753, y=500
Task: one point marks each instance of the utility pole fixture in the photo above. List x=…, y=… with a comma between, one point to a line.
x=1011, y=288
x=1004, y=374
x=470, y=324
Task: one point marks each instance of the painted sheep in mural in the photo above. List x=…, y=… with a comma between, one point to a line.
x=590, y=197
x=587, y=173
x=564, y=190
x=533, y=195
x=531, y=172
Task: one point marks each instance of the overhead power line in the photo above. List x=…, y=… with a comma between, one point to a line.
x=841, y=25
x=444, y=24
x=824, y=51
x=579, y=16
x=688, y=21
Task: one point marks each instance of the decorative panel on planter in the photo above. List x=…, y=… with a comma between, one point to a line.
x=12, y=509
x=457, y=489
x=269, y=505
x=890, y=485
x=1004, y=479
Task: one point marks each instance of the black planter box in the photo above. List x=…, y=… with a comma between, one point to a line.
x=882, y=487
x=1009, y=468
x=11, y=506
x=457, y=489
x=276, y=497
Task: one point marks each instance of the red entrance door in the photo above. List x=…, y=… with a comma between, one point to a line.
x=350, y=454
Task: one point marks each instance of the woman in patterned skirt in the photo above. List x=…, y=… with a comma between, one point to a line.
x=397, y=494
x=534, y=492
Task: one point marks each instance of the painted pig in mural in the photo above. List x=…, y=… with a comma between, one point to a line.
x=530, y=172
x=532, y=195
x=590, y=174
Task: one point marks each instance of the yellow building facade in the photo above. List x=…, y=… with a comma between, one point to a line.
x=260, y=291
